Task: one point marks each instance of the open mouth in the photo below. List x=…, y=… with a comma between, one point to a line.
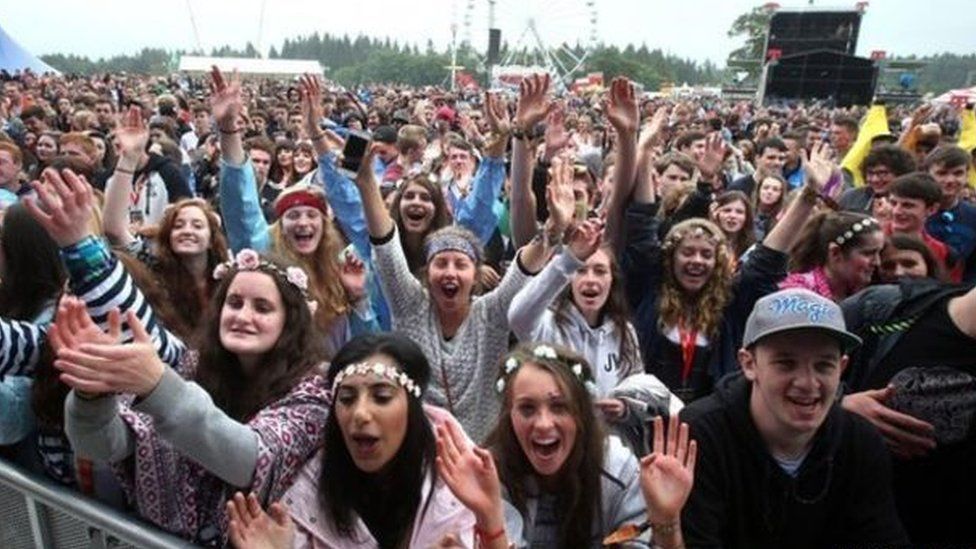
x=806, y=405
x=416, y=214
x=364, y=444
x=450, y=289
x=304, y=239
x=545, y=448
x=590, y=293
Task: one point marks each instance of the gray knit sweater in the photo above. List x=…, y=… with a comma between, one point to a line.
x=462, y=381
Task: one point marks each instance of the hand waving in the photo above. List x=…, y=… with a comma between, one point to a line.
x=66, y=199
x=819, y=166
x=469, y=471
x=559, y=194
x=621, y=107
x=668, y=473
x=556, y=138
x=533, y=103
x=711, y=162
x=225, y=100
x=133, y=135
x=252, y=528
x=311, y=93
x=352, y=274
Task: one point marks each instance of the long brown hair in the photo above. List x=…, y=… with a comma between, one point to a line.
x=441, y=218
x=747, y=235
x=811, y=248
x=579, y=492
x=189, y=304
x=295, y=355
x=615, y=309
x=703, y=311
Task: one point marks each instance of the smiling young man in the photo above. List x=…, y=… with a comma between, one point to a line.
x=781, y=464
x=913, y=198
x=955, y=222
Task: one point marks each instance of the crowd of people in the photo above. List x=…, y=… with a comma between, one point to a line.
x=530, y=317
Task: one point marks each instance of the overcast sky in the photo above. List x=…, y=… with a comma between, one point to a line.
x=689, y=28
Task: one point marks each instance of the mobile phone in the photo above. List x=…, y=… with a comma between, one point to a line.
x=353, y=151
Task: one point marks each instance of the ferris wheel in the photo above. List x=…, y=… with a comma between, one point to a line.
x=556, y=36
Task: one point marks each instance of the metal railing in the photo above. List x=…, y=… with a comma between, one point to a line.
x=36, y=513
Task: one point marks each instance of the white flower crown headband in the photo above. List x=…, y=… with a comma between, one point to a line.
x=695, y=232
x=249, y=260
x=548, y=353
x=856, y=228
x=382, y=370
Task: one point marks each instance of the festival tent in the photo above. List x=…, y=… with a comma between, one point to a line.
x=13, y=57
x=958, y=97
x=262, y=67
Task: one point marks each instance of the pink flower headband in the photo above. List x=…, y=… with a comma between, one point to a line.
x=249, y=260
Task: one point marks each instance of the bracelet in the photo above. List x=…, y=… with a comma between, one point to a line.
x=519, y=133
x=320, y=135
x=125, y=171
x=486, y=537
x=225, y=132
x=664, y=528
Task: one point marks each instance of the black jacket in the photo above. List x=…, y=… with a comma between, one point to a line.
x=742, y=498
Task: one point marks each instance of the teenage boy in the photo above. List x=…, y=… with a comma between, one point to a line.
x=780, y=463
x=913, y=198
x=955, y=222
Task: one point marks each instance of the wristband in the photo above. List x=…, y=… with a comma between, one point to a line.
x=225, y=132
x=487, y=537
x=320, y=135
x=519, y=133
x=664, y=528
x=125, y=171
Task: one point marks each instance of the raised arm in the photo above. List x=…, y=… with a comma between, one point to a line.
x=818, y=168
x=650, y=138
x=623, y=115
x=240, y=206
x=533, y=104
x=131, y=138
x=378, y=219
x=476, y=210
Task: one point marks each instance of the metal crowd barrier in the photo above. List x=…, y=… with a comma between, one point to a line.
x=36, y=513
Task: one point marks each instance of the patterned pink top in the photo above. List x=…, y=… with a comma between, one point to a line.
x=814, y=280
x=181, y=496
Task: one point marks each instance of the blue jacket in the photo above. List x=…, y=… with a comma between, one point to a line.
x=246, y=227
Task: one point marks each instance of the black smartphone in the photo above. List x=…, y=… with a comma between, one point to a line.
x=353, y=151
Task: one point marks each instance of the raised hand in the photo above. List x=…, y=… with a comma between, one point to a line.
x=585, y=240
x=251, y=528
x=352, y=275
x=131, y=137
x=488, y=277
x=104, y=368
x=496, y=113
x=225, y=100
x=311, y=94
x=559, y=194
x=533, y=103
x=469, y=471
x=365, y=176
x=818, y=166
x=556, y=138
x=621, y=106
x=651, y=133
x=711, y=162
x=668, y=473
x=65, y=209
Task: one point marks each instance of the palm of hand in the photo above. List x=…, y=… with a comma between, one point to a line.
x=264, y=533
x=226, y=103
x=132, y=140
x=531, y=109
x=666, y=485
x=475, y=487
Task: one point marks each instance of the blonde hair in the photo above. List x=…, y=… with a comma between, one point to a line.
x=322, y=268
x=674, y=305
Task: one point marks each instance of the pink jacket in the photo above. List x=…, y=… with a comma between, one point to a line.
x=445, y=515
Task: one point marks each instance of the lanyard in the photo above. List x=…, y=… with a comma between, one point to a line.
x=688, y=349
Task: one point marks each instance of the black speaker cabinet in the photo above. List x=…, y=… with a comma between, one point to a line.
x=837, y=77
x=792, y=32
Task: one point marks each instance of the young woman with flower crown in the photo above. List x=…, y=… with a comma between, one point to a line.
x=690, y=308
x=374, y=484
x=303, y=233
x=563, y=481
x=245, y=411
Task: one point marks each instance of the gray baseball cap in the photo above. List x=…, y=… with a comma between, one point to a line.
x=797, y=309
